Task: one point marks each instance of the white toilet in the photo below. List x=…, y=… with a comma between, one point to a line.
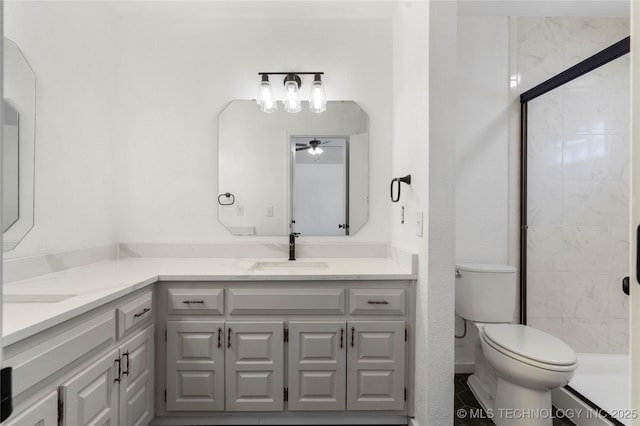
x=516, y=365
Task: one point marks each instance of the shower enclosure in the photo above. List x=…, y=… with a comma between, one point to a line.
x=575, y=210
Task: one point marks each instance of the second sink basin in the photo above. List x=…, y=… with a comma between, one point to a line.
x=286, y=265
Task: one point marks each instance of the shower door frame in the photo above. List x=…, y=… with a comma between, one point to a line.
x=601, y=58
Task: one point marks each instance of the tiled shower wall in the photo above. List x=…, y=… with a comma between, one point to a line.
x=578, y=198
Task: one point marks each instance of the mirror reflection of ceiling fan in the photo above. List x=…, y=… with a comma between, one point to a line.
x=312, y=147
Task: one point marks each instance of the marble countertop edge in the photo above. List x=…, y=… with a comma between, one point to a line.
x=97, y=284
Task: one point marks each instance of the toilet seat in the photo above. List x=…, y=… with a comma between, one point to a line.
x=530, y=346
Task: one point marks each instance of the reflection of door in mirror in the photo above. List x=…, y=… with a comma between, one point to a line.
x=320, y=185
x=10, y=166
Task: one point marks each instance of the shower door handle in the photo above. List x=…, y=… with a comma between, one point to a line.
x=625, y=285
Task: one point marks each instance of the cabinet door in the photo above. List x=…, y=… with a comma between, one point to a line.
x=317, y=361
x=136, y=386
x=195, y=366
x=44, y=413
x=254, y=373
x=375, y=365
x=90, y=397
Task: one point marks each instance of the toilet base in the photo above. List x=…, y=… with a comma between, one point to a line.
x=481, y=392
x=519, y=406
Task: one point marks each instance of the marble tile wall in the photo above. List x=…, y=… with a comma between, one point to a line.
x=578, y=202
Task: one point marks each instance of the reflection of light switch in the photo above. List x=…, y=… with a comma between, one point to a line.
x=269, y=211
x=240, y=210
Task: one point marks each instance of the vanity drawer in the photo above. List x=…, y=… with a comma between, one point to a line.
x=203, y=301
x=48, y=357
x=286, y=301
x=378, y=301
x=133, y=313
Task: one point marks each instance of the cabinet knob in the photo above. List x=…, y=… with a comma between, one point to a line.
x=378, y=302
x=229, y=338
x=195, y=302
x=219, y=337
x=353, y=337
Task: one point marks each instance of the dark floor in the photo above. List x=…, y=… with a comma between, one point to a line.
x=467, y=410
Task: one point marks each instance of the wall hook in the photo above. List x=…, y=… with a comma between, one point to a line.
x=406, y=179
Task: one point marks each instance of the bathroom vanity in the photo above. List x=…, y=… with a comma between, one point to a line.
x=211, y=341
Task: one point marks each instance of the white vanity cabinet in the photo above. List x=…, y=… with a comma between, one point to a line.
x=115, y=390
x=217, y=366
x=236, y=348
x=78, y=373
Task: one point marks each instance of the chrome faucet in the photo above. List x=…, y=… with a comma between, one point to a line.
x=292, y=245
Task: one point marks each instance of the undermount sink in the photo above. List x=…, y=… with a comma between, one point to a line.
x=35, y=298
x=287, y=265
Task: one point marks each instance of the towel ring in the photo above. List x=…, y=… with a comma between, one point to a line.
x=226, y=195
x=406, y=179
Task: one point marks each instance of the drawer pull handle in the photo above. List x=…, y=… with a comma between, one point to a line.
x=341, y=337
x=144, y=311
x=117, y=379
x=219, y=338
x=353, y=336
x=189, y=302
x=126, y=372
x=378, y=302
x=229, y=339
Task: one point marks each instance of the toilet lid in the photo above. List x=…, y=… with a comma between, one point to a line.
x=530, y=343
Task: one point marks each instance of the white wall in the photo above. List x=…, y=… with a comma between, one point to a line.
x=71, y=54
x=482, y=153
x=482, y=169
x=424, y=48
x=128, y=98
x=178, y=67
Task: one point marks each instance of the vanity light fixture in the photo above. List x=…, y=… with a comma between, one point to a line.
x=265, y=97
x=291, y=100
x=318, y=99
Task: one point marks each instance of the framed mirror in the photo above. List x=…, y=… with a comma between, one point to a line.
x=280, y=172
x=18, y=150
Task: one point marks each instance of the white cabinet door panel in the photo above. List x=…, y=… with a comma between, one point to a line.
x=137, y=385
x=44, y=413
x=195, y=366
x=255, y=366
x=317, y=361
x=90, y=397
x=375, y=360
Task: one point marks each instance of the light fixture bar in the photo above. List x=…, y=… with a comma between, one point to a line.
x=291, y=72
x=292, y=85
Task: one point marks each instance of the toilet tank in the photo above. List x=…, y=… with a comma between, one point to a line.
x=485, y=293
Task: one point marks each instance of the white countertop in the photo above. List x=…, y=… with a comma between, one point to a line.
x=93, y=285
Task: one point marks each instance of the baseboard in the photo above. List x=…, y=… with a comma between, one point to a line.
x=465, y=367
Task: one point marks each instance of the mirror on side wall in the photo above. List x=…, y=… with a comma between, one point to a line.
x=18, y=148
x=280, y=172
